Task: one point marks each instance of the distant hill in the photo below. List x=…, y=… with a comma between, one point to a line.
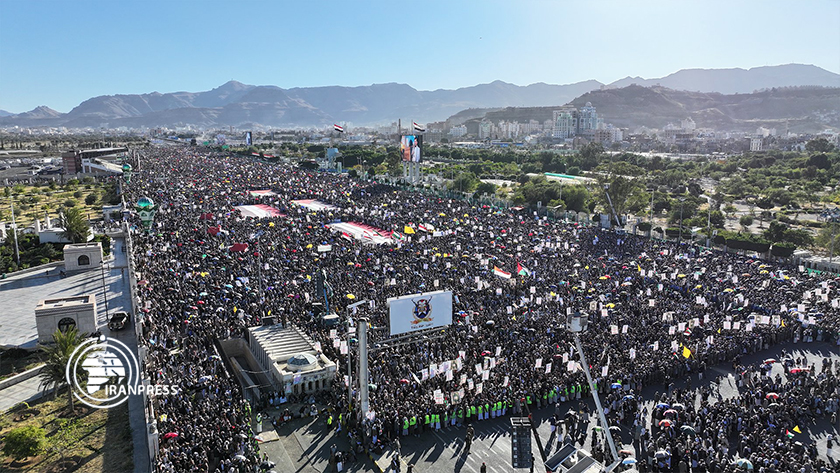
x=739, y=81
x=235, y=103
x=4, y=113
x=801, y=109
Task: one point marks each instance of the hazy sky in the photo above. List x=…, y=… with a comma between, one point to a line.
x=61, y=52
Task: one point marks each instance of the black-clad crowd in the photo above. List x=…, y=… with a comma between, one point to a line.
x=658, y=312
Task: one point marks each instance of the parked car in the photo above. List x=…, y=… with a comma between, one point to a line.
x=118, y=321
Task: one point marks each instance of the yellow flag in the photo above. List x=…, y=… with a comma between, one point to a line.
x=514, y=317
x=269, y=312
x=234, y=309
x=639, y=268
x=783, y=323
x=686, y=352
x=718, y=330
x=796, y=429
x=408, y=230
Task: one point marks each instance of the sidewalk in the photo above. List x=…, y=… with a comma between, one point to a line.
x=25, y=391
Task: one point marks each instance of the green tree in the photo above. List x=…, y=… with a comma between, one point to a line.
x=746, y=221
x=92, y=197
x=24, y=442
x=819, y=145
x=575, y=197
x=75, y=225
x=58, y=357
x=485, y=188
x=464, y=182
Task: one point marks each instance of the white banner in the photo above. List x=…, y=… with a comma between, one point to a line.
x=420, y=311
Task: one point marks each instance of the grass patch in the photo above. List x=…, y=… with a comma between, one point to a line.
x=16, y=361
x=103, y=438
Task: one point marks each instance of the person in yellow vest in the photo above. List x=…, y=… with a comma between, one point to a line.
x=486, y=410
x=405, y=426
x=340, y=421
x=413, y=423
x=329, y=422
x=426, y=426
x=437, y=422
x=480, y=412
x=460, y=420
x=472, y=412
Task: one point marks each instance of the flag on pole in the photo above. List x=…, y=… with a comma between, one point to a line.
x=522, y=270
x=418, y=127
x=502, y=274
x=789, y=434
x=338, y=128
x=398, y=236
x=797, y=430
x=686, y=352
x=408, y=230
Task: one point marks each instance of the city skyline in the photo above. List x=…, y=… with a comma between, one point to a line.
x=59, y=54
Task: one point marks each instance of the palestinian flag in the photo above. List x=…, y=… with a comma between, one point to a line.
x=687, y=332
x=338, y=128
x=398, y=236
x=789, y=434
x=522, y=270
x=418, y=127
x=502, y=274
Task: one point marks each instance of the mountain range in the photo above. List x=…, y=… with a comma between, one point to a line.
x=237, y=104
x=800, y=109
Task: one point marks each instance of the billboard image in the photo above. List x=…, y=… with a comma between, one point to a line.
x=248, y=140
x=420, y=311
x=411, y=147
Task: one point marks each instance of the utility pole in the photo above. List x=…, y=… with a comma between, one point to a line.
x=576, y=324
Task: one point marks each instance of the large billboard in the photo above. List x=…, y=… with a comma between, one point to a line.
x=420, y=311
x=248, y=140
x=411, y=148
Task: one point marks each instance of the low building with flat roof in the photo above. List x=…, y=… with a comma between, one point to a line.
x=65, y=313
x=290, y=359
x=82, y=256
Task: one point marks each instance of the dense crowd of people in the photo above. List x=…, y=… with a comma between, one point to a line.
x=657, y=312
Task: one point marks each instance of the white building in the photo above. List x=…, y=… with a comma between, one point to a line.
x=290, y=359
x=458, y=131
x=64, y=314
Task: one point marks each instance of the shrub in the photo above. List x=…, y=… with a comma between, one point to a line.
x=25, y=442
x=70, y=203
x=91, y=198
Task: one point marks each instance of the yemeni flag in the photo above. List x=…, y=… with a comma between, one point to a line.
x=522, y=270
x=502, y=274
x=338, y=128
x=347, y=236
x=418, y=127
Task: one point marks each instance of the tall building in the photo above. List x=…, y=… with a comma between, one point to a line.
x=588, y=120
x=565, y=123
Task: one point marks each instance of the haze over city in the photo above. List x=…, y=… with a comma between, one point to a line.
x=61, y=53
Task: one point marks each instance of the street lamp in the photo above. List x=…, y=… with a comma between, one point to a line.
x=650, y=221
x=682, y=201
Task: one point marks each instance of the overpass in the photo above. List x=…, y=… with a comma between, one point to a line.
x=76, y=161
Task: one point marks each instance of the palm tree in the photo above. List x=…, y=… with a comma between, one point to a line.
x=54, y=374
x=76, y=227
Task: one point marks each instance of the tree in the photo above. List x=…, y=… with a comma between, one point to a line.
x=25, y=442
x=746, y=221
x=575, y=197
x=75, y=225
x=58, y=357
x=92, y=197
x=465, y=181
x=819, y=145
x=485, y=188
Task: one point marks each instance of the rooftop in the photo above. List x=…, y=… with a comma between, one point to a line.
x=280, y=343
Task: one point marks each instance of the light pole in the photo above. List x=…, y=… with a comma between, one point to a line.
x=709, y=222
x=682, y=201
x=650, y=221
x=14, y=231
x=349, y=358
